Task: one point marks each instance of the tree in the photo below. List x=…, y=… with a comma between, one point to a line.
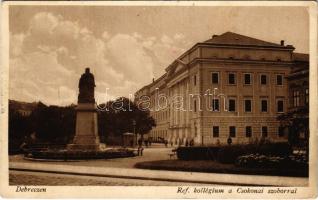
x=54, y=124
x=296, y=121
x=19, y=129
x=116, y=117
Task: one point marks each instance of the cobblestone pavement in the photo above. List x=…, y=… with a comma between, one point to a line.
x=49, y=179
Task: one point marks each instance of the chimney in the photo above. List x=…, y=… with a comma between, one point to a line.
x=153, y=79
x=213, y=36
x=282, y=42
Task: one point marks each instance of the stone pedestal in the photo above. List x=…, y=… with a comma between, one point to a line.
x=86, y=135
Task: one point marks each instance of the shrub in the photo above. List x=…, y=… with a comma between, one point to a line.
x=197, y=153
x=275, y=149
x=228, y=154
x=299, y=160
x=263, y=161
x=259, y=161
x=63, y=154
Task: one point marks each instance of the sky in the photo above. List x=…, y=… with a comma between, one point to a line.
x=125, y=46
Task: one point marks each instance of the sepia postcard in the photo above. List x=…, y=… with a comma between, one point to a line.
x=159, y=99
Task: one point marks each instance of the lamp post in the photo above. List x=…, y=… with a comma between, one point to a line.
x=202, y=138
x=134, y=124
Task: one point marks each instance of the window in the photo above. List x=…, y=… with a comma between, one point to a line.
x=195, y=80
x=247, y=79
x=232, y=105
x=215, y=105
x=306, y=95
x=263, y=79
x=195, y=131
x=248, y=105
x=215, y=77
x=279, y=79
x=296, y=98
x=247, y=57
x=215, y=131
x=231, y=78
x=281, y=131
x=280, y=106
x=195, y=105
x=264, y=131
x=248, y=131
x=232, y=131
x=264, y=105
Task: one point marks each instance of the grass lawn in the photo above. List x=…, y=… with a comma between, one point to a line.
x=216, y=167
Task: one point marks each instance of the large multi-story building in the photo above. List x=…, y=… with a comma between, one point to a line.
x=230, y=86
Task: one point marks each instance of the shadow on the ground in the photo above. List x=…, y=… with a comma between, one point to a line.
x=216, y=167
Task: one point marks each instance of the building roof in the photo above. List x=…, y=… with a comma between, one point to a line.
x=154, y=81
x=302, y=57
x=231, y=38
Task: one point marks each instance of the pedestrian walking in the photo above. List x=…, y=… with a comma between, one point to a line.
x=140, y=151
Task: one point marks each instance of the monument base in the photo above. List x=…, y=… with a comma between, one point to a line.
x=86, y=147
x=86, y=136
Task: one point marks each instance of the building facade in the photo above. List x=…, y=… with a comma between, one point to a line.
x=230, y=86
x=298, y=85
x=298, y=82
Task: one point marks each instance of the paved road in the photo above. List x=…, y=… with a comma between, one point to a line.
x=49, y=179
x=118, y=172
x=156, y=152
x=159, y=175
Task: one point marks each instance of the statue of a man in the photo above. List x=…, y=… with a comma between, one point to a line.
x=86, y=88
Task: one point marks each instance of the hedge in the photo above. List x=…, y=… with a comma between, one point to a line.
x=64, y=154
x=197, y=153
x=262, y=161
x=275, y=149
x=229, y=153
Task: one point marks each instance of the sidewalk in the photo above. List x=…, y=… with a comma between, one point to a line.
x=174, y=176
x=149, y=154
